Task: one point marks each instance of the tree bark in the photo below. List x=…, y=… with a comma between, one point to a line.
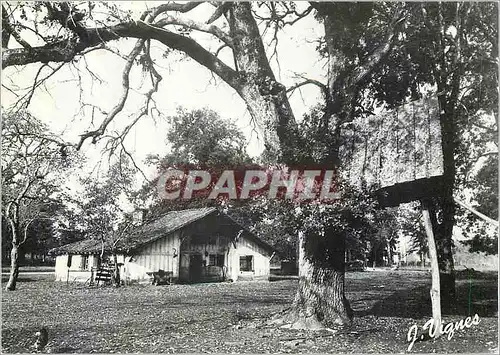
x=264, y=97
x=14, y=254
x=14, y=268
x=444, y=240
x=444, y=245
x=448, y=75
x=320, y=299
x=320, y=296
x=389, y=254
x=444, y=228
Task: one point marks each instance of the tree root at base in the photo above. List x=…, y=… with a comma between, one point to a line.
x=293, y=319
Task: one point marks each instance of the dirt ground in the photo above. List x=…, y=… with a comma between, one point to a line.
x=233, y=317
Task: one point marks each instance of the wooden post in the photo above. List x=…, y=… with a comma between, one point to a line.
x=435, y=288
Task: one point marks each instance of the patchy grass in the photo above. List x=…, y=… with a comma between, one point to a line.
x=232, y=317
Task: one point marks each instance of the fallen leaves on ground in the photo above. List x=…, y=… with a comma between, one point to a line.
x=234, y=317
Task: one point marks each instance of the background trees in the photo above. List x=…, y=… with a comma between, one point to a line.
x=449, y=46
x=201, y=136
x=198, y=139
x=33, y=162
x=411, y=225
x=106, y=210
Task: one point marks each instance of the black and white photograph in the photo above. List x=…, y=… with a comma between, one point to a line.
x=249, y=177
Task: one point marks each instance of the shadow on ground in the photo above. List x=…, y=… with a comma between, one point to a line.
x=478, y=295
x=5, y=279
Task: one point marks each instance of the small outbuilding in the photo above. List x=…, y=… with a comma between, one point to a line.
x=194, y=245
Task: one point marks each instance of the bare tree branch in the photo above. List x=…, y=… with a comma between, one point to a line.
x=32, y=30
x=172, y=6
x=66, y=50
x=477, y=213
x=219, y=11
x=192, y=49
x=323, y=87
x=211, y=29
x=8, y=30
x=485, y=154
x=278, y=16
x=134, y=163
x=489, y=129
x=220, y=49
x=381, y=52
x=121, y=102
x=25, y=237
x=5, y=29
x=11, y=91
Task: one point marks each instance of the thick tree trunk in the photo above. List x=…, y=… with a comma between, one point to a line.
x=444, y=245
x=320, y=300
x=264, y=97
x=14, y=268
x=449, y=142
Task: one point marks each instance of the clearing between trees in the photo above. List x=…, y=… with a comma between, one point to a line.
x=234, y=317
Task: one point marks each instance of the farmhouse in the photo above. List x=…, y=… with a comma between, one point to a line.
x=194, y=245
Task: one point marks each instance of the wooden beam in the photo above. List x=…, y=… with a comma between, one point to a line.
x=408, y=191
x=477, y=213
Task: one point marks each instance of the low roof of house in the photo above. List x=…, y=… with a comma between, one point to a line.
x=151, y=231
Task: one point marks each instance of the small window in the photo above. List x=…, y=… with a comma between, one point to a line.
x=212, y=259
x=85, y=262
x=246, y=263
x=69, y=260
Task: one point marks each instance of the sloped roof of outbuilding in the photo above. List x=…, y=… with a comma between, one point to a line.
x=149, y=232
x=166, y=224
x=86, y=246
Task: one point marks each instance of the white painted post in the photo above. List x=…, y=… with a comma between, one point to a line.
x=435, y=288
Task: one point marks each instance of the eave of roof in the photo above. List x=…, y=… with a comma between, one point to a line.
x=144, y=234
x=166, y=224
x=152, y=231
x=251, y=234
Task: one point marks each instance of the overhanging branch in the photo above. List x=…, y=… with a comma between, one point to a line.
x=66, y=50
x=477, y=213
x=211, y=29
x=121, y=102
x=189, y=46
x=381, y=52
x=323, y=87
x=172, y=6
x=219, y=11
